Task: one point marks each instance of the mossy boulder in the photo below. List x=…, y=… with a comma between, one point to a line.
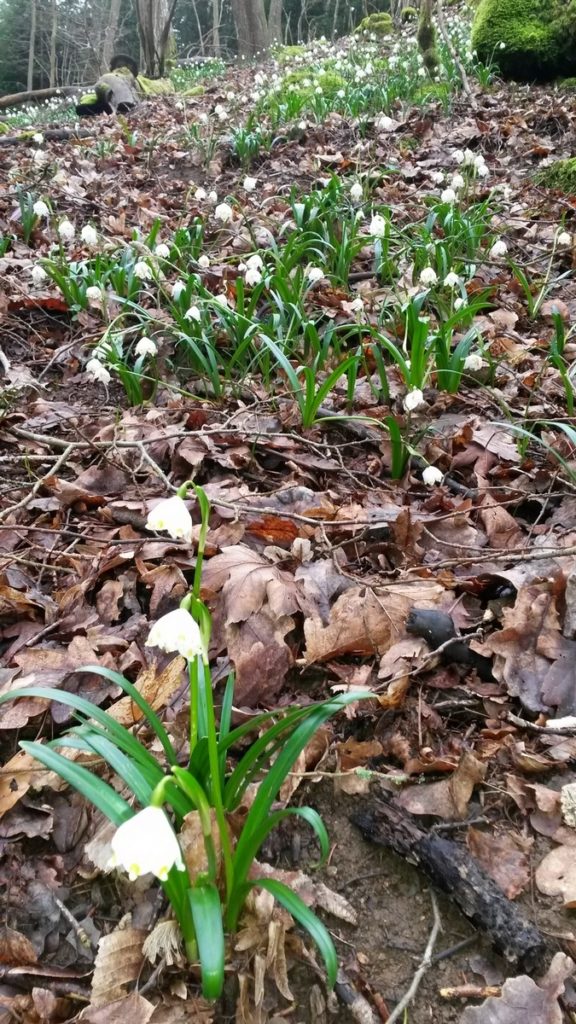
x=306, y=82
x=286, y=54
x=379, y=24
x=561, y=175
x=538, y=37
x=409, y=14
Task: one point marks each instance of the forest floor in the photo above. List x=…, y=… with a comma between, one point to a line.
x=316, y=556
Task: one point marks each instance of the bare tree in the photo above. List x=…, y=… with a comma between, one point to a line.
x=53, y=38
x=216, y=28
x=154, y=23
x=251, y=27
x=109, y=42
x=275, y=20
x=31, y=47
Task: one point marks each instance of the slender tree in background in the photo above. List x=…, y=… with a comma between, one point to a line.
x=251, y=27
x=31, y=47
x=110, y=35
x=154, y=23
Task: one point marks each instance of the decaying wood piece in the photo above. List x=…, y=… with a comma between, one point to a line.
x=16, y=99
x=451, y=868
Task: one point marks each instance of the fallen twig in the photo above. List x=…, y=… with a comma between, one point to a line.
x=425, y=964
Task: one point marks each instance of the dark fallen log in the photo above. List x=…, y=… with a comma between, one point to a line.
x=451, y=868
x=16, y=99
x=50, y=135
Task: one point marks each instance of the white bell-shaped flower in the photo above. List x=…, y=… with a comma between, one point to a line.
x=177, y=633
x=173, y=516
x=146, y=844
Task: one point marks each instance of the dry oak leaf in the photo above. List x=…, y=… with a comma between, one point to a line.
x=448, y=798
x=364, y=623
x=502, y=859
x=556, y=875
x=131, y=1009
x=526, y=627
x=523, y=1001
x=118, y=964
x=248, y=581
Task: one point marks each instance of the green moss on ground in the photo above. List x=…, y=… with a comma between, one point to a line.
x=432, y=91
x=286, y=54
x=409, y=14
x=561, y=175
x=380, y=24
x=329, y=82
x=539, y=37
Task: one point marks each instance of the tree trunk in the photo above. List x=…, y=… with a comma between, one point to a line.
x=275, y=21
x=251, y=27
x=154, y=22
x=110, y=34
x=31, y=47
x=216, y=28
x=53, y=36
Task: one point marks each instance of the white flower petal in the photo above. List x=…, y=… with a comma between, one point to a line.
x=176, y=633
x=146, y=843
x=171, y=515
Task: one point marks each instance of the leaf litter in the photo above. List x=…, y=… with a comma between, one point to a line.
x=316, y=558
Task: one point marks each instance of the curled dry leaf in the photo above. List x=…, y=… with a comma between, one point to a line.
x=556, y=875
x=449, y=798
x=117, y=966
x=523, y=1001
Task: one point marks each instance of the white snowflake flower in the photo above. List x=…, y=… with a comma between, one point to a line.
x=193, y=313
x=146, y=347
x=146, y=844
x=377, y=226
x=176, y=633
x=98, y=372
x=249, y=183
x=39, y=275
x=162, y=251
x=89, y=235
x=452, y=280
x=66, y=230
x=172, y=515
x=432, y=476
x=473, y=362
x=41, y=209
x=428, y=277
x=143, y=271
x=498, y=249
x=314, y=274
x=204, y=262
x=413, y=400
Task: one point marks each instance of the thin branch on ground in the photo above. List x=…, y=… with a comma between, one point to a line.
x=424, y=966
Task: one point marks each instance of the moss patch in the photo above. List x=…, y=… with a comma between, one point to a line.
x=409, y=14
x=380, y=24
x=286, y=54
x=538, y=37
x=561, y=175
x=306, y=82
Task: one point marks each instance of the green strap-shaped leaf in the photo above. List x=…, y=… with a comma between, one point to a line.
x=94, y=789
x=209, y=928
x=317, y=931
x=150, y=715
x=117, y=732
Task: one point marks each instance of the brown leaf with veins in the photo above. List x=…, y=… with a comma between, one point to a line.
x=523, y=1001
x=448, y=798
x=248, y=581
x=364, y=623
x=261, y=657
x=518, y=662
x=556, y=875
x=502, y=858
x=118, y=964
x=131, y=1009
